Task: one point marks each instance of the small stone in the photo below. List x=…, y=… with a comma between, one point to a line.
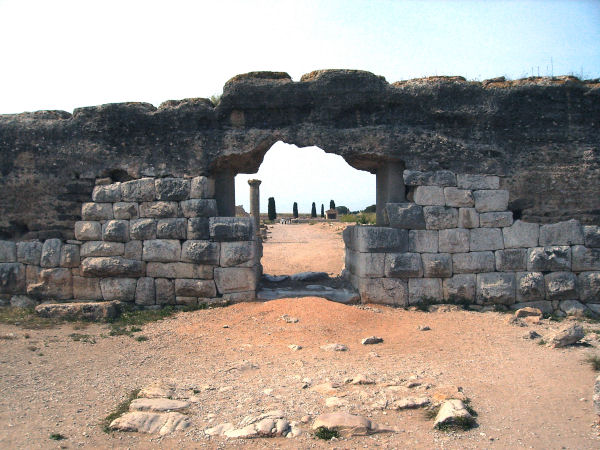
x=231, y=228
x=371, y=340
x=295, y=347
x=591, y=235
x=567, y=335
x=423, y=328
x=359, y=379
x=453, y=412
x=410, y=403
x=335, y=402
x=334, y=347
x=532, y=335
x=527, y=312
x=197, y=228
x=289, y=319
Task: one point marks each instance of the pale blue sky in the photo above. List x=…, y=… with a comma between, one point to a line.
x=62, y=54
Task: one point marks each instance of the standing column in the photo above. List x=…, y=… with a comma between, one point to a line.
x=390, y=188
x=255, y=203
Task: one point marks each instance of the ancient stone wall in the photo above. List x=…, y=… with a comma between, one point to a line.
x=456, y=242
x=148, y=242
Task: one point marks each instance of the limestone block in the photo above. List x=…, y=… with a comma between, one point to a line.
x=179, y=270
x=158, y=210
x=521, y=235
x=145, y=293
x=235, y=279
x=460, y=288
x=199, y=207
x=429, y=195
x=29, y=252
x=437, y=265
x=473, y=262
x=195, y=288
x=85, y=288
x=97, y=211
x=454, y=240
x=101, y=248
x=12, y=278
x=423, y=241
x=548, y=259
x=467, y=181
x=591, y=236
x=197, y=228
x=459, y=198
x=234, y=297
x=8, y=252
x=69, y=255
x=142, y=229
x=171, y=229
x=588, y=286
x=387, y=291
x=174, y=189
x=468, y=218
x=376, y=239
x=202, y=187
x=52, y=284
x=186, y=301
x=496, y=219
x=511, y=260
x=32, y=274
x=439, y=178
x=366, y=265
x=51, y=253
x=544, y=306
x=486, y=239
x=126, y=210
x=241, y=253
x=569, y=232
x=93, y=311
x=165, y=291
x=141, y=190
x=122, y=289
x=22, y=301
x=115, y=231
x=162, y=250
x=111, y=266
x=574, y=308
x=231, y=228
x=108, y=193
x=496, y=288
x=584, y=259
x=405, y=216
x=401, y=265
x=561, y=286
x=133, y=250
x=490, y=200
x=88, y=231
x=440, y=217
x=423, y=289
x=201, y=252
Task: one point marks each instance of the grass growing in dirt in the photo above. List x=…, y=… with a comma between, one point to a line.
x=326, y=433
x=459, y=423
x=57, y=437
x=78, y=337
x=431, y=412
x=26, y=318
x=594, y=361
x=121, y=409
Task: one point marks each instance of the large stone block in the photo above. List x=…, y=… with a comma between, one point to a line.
x=542, y=305
x=145, y=294
x=440, y=217
x=162, y=250
x=591, y=236
x=437, y=265
x=584, y=259
x=482, y=239
x=376, y=239
x=460, y=288
x=473, y=262
x=197, y=228
x=94, y=311
x=22, y=301
x=159, y=210
x=569, y=232
x=366, y=265
x=171, y=229
x=133, y=250
x=29, y=252
x=401, y=265
x=496, y=288
x=468, y=218
x=52, y=284
x=126, y=210
x=202, y=187
x=51, y=253
x=122, y=289
x=179, y=270
x=88, y=231
x=165, y=291
x=112, y=266
x=548, y=259
x=490, y=200
x=387, y=291
x=195, y=288
x=69, y=255
x=429, y=195
x=467, y=181
x=235, y=279
x=241, y=253
x=85, y=288
x=12, y=278
x=423, y=241
x=174, y=189
x=142, y=229
x=101, y=248
x=511, y=260
x=108, y=193
x=454, y=240
x=438, y=178
x=588, y=286
x=141, y=190
x=199, y=207
x=561, y=286
x=496, y=219
x=424, y=289
x=115, y=231
x=521, y=235
x=32, y=274
x=407, y=216
x=8, y=252
x=201, y=252
x=459, y=198
x=231, y=228
x=97, y=211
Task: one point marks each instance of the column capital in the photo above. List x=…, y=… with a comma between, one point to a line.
x=254, y=182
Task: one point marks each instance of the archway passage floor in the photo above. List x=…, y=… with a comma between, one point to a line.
x=527, y=395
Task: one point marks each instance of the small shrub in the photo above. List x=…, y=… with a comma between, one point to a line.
x=141, y=338
x=326, y=433
x=459, y=423
x=215, y=99
x=541, y=342
x=432, y=411
x=594, y=361
x=121, y=409
x=78, y=337
x=57, y=437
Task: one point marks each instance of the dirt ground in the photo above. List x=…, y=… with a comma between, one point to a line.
x=236, y=362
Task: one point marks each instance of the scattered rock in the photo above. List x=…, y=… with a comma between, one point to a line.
x=371, y=340
x=334, y=347
x=289, y=319
x=149, y=422
x=532, y=335
x=567, y=335
x=453, y=413
x=335, y=402
x=512, y=320
x=359, y=379
x=347, y=424
x=157, y=405
x=410, y=403
x=157, y=390
x=449, y=392
x=423, y=328
x=326, y=388
x=295, y=347
x=527, y=312
x=220, y=429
